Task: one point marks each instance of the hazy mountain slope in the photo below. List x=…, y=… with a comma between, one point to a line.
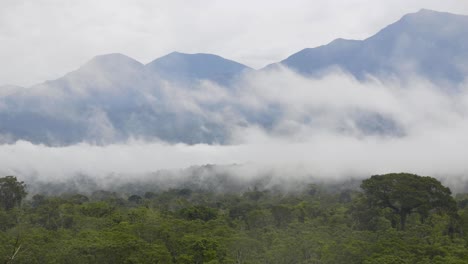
x=182, y=67
x=110, y=98
x=429, y=43
x=9, y=89
x=113, y=97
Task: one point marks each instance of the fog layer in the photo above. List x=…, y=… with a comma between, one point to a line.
x=331, y=127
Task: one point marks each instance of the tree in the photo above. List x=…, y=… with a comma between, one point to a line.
x=198, y=212
x=406, y=193
x=12, y=192
x=282, y=215
x=135, y=199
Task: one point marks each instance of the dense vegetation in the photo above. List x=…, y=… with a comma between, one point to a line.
x=317, y=225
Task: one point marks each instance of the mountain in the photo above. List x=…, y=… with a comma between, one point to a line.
x=113, y=97
x=428, y=43
x=9, y=89
x=182, y=67
x=110, y=98
x=102, y=75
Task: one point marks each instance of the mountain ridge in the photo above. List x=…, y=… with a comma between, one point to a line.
x=113, y=97
x=428, y=42
x=335, y=51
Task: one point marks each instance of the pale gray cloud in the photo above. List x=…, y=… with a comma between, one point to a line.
x=44, y=39
x=434, y=142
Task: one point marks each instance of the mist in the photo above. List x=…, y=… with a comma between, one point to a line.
x=327, y=128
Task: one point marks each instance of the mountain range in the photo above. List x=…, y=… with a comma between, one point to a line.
x=114, y=97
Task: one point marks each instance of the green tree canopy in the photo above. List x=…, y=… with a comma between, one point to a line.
x=406, y=193
x=12, y=192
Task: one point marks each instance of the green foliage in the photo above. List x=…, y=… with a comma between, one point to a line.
x=97, y=209
x=405, y=193
x=12, y=192
x=318, y=225
x=198, y=212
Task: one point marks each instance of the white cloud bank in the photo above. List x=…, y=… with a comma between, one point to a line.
x=317, y=133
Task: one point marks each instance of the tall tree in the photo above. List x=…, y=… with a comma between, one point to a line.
x=12, y=192
x=406, y=193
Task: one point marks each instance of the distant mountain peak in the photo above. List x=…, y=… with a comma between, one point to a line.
x=112, y=66
x=428, y=43
x=427, y=11
x=114, y=58
x=174, y=53
x=424, y=11
x=188, y=67
x=431, y=18
x=193, y=56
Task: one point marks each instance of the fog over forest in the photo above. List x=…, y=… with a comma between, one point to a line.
x=317, y=135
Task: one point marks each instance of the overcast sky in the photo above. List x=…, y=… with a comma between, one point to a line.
x=44, y=39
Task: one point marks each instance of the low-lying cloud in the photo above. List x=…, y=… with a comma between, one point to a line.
x=320, y=131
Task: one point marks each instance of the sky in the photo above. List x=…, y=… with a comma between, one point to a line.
x=44, y=39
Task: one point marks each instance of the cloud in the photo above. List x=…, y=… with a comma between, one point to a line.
x=319, y=132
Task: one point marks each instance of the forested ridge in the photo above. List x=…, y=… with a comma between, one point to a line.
x=393, y=218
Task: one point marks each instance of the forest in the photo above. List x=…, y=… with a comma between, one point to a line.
x=391, y=218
